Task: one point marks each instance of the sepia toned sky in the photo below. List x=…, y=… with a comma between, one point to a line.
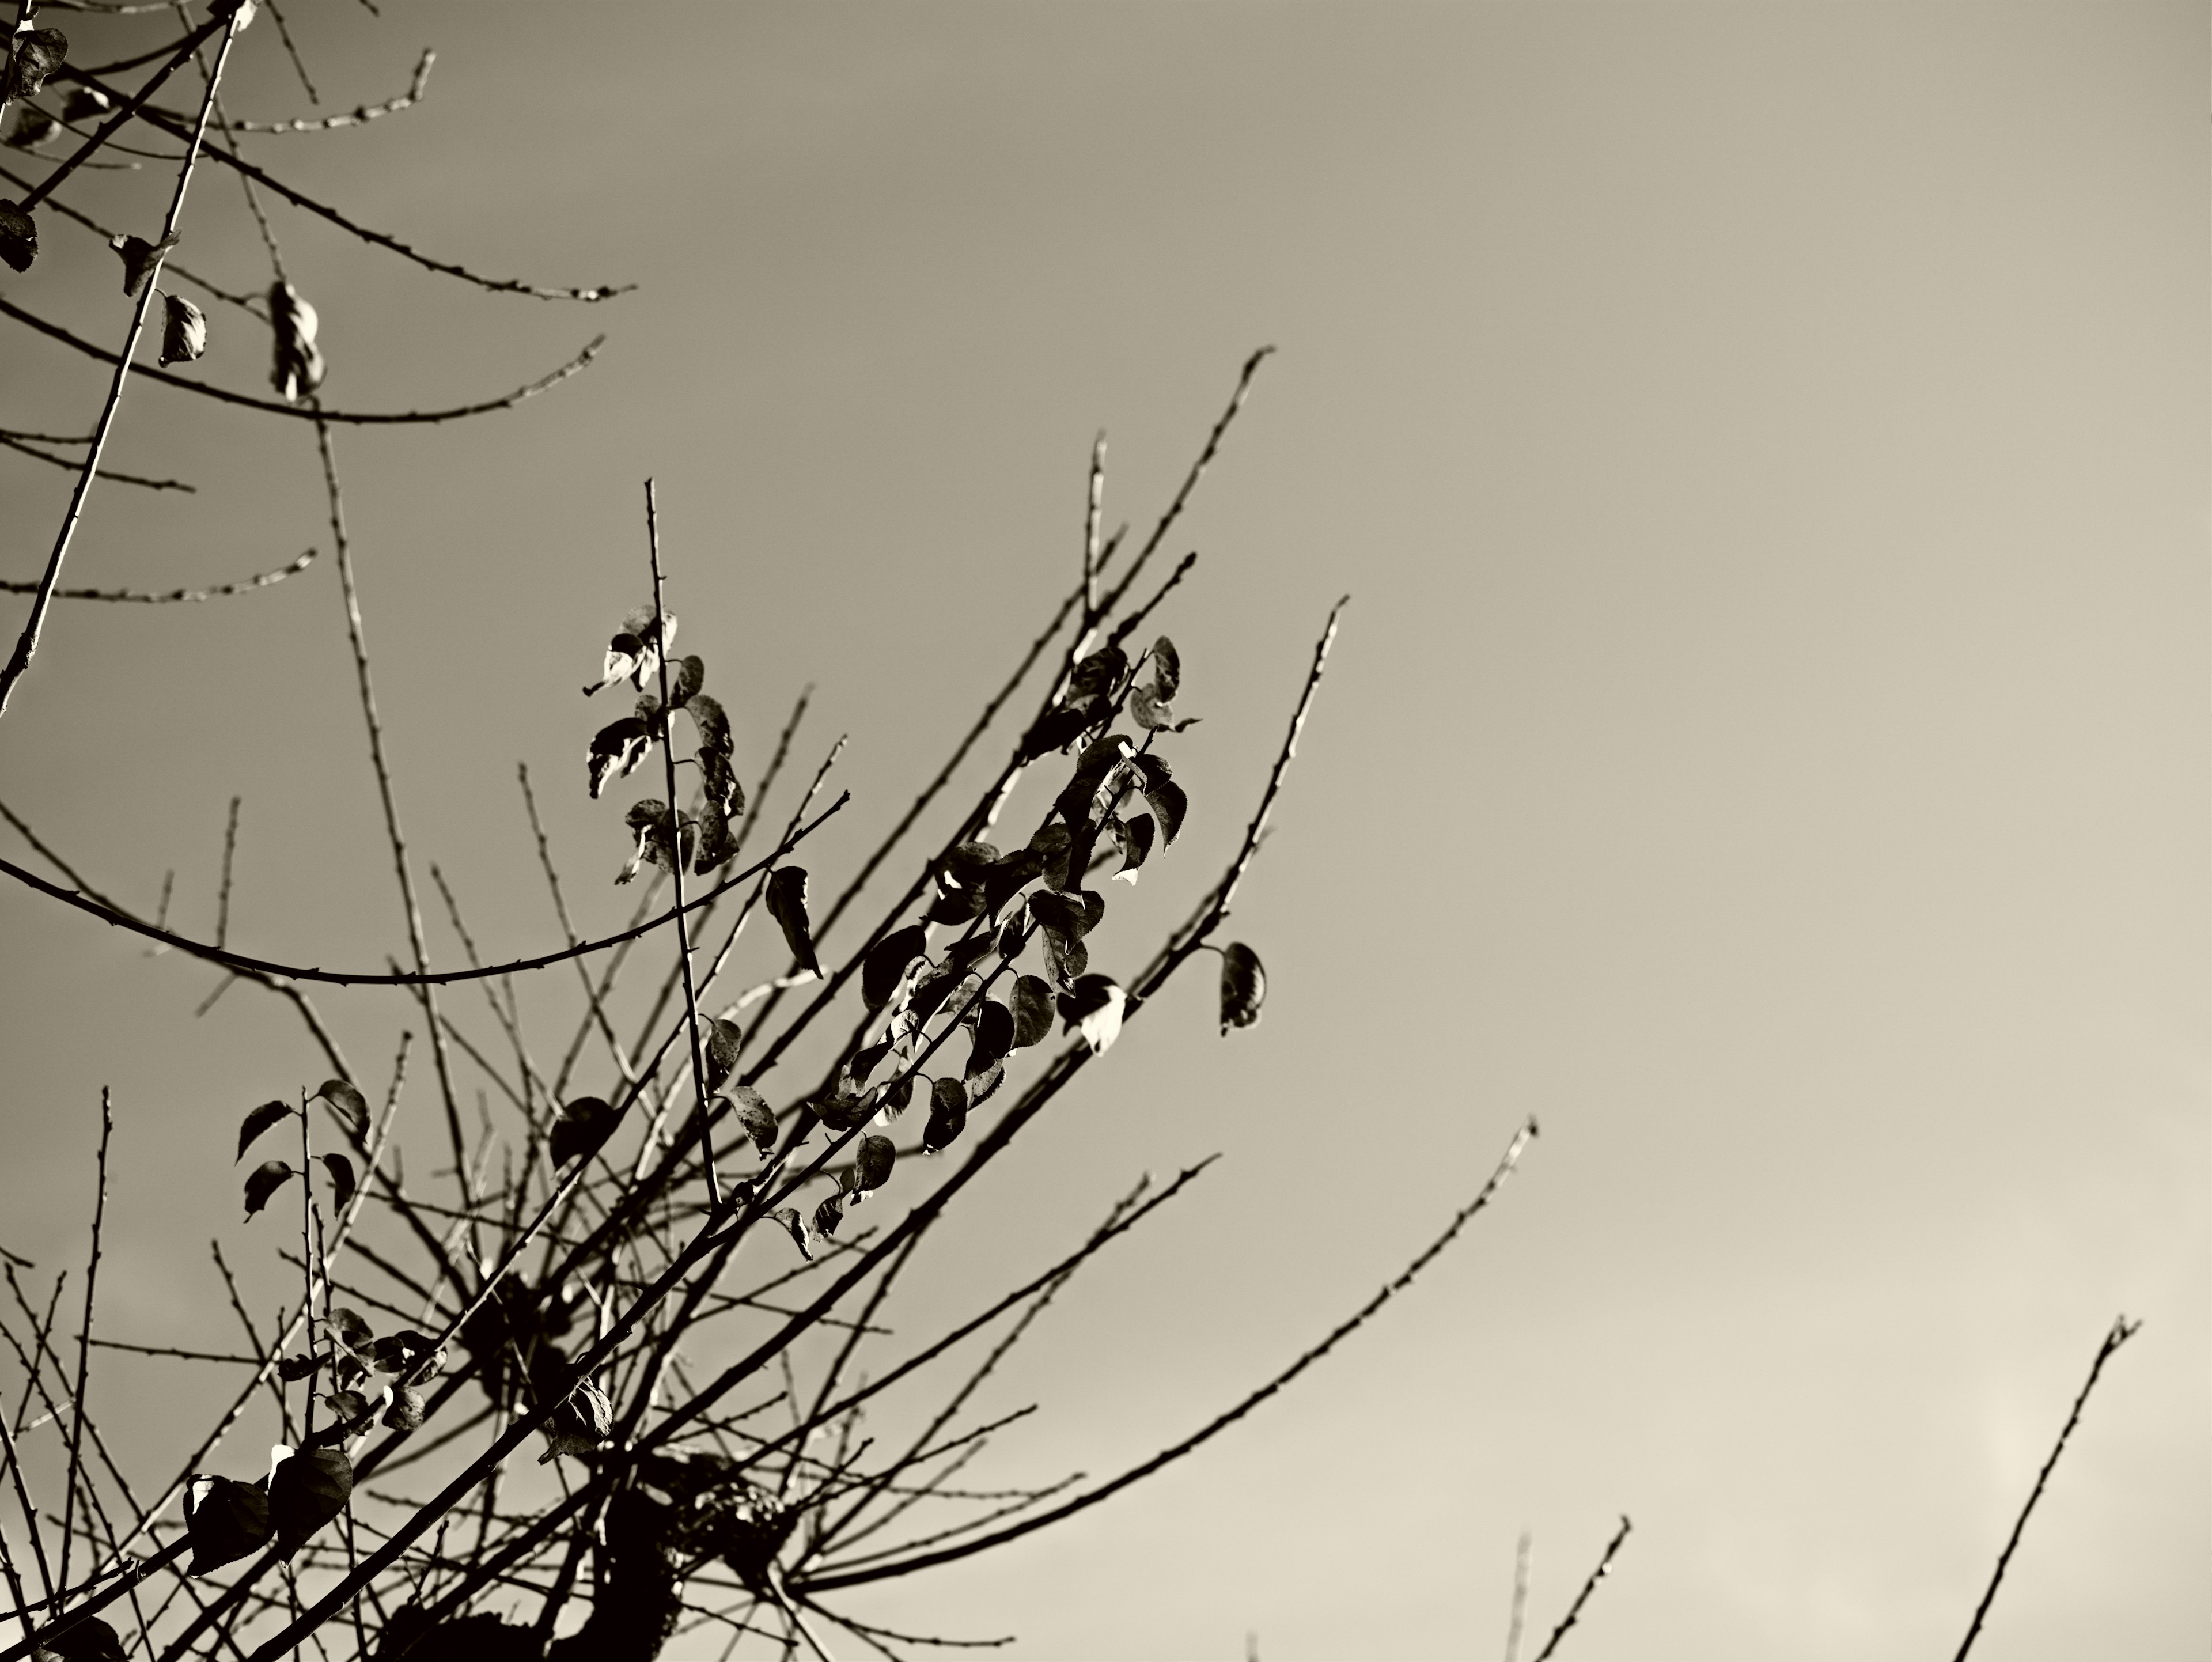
x=1766, y=446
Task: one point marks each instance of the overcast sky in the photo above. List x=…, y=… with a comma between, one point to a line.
x=1766, y=446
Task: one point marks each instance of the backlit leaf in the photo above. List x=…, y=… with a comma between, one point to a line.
x=257, y=1122
x=691, y=676
x=1243, y=986
x=828, y=1214
x=1098, y=674
x=1151, y=712
x=1093, y=1005
x=37, y=53
x=262, y=1182
x=404, y=1411
x=306, y=1492
x=786, y=905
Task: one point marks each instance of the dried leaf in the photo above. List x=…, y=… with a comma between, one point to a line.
x=829, y=1215
x=404, y=1411
x=691, y=676
x=948, y=1115
x=37, y=53
x=617, y=748
x=19, y=237
x=226, y=1521
x=406, y=1353
x=139, y=258
x=299, y=368
x=1095, y=1006
x=184, y=330
x=306, y=1492
x=295, y=1368
x=1097, y=675
x=789, y=1218
x=786, y=905
x=1135, y=839
x=257, y=1122
x=1243, y=986
x=349, y=1103
x=886, y=963
x=1032, y=1012
x=754, y=1114
x=262, y=1182
x=1167, y=669
x=872, y=1163
x=582, y=1129
x=342, y=1179
x=580, y=1424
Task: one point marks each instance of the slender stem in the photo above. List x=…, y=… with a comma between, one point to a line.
x=222, y=898
x=1521, y=1557
x=28, y=643
x=1575, y=1609
x=307, y=1264
x=2120, y=1331
x=676, y=854
x=84, y=1335
x=30, y=1510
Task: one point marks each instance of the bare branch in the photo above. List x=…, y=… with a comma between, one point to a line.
x=1575, y=1609
x=148, y=597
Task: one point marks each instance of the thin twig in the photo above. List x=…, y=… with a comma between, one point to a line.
x=149, y=597
x=1575, y=1609
x=1520, y=1597
x=13, y=442
x=84, y=1333
x=2120, y=1331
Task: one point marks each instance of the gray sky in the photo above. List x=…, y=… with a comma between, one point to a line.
x=1765, y=447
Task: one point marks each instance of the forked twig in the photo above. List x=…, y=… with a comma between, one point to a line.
x=2120, y=1331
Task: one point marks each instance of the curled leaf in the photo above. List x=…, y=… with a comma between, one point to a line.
x=404, y=1411
x=262, y=1182
x=948, y=1115
x=583, y=1127
x=299, y=368
x=1243, y=986
x=295, y=1368
x=720, y=1038
x=257, y=1122
x=1150, y=711
x=580, y=1424
x=756, y=1115
x=872, y=1163
x=691, y=676
x=789, y=1218
x=184, y=330
x=346, y=1102
x=786, y=905
x=1169, y=803
x=1167, y=669
x=306, y=1492
x=1093, y=1005
x=139, y=258
x=37, y=54
x=19, y=236
x=885, y=966
x=225, y=1519
x=341, y=1180
x=995, y=1036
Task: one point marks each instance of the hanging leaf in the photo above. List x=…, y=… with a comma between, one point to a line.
x=1012, y=938
x=347, y=1406
x=617, y=748
x=691, y=676
x=342, y=1182
x=715, y=845
x=184, y=330
x=306, y=1492
x=86, y=104
x=91, y=1640
x=648, y=823
x=886, y=963
x=1095, y=1006
x=1065, y=958
x=225, y=1519
x=1097, y=675
x=995, y=1036
x=786, y=905
x=139, y=258
x=948, y=1115
x=350, y=1329
x=896, y=1096
x=1054, y=730
x=257, y=1122
x=295, y=1368
x=19, y=236
x=580, y=1424
x=299, y=369
x=1135, y=839
x=872, y=1163
x=982, y=1085
x=1151, y=712
x=1166, y=797
x=262, y=1182
x=839, y=1106
x=37, y=53
x=754, y=1114
x=404, y=1411
x=829, y=1215
x=1167, y=669
x=720, y=1038
x=1243, y=986
x=31, y=127
x=1032, y=1012
x=789, y=1218
x=347, y=1103
x=582, y=1129
x=1075, y=800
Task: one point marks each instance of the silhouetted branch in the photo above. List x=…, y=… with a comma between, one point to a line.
x=1575, y=1609
x=2120, y=1331
x=15, y=443
x=262, y=580
x=354, y=118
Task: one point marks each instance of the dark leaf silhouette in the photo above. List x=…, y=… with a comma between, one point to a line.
x=941, y=986
x=948, y=1115
x=139, y=256
x=37, y=53
x=617, y=748
x=1135, y=838
x=583, y=1127
x=1101, y=758
x=715, y=845
x=19, y=236
x=1032, y=1011
x=257, y=1122
x=295, y=1368
x=995, y=1036
x=896, y=1095
x=691, y=676
x=829, y=1215
x=306, y=1492
x=886, y=963
x=1097, y=675
x=262, y=1182
x=226, y=1521
x=342, y=1182
x=86, y=104
x=866, y=1060
x=580, y=1424
x=349, y=1104
x=1169, y=804
x=758, y=1118
x=1167, y=669
x=982, y=1085
x=840, y=1107
x=872, y=1163
x=404, y=1411
x=1054, y=730
x=1012, y=938
x=649, y=823
x=789, y=1218
x=299, y=367
x=722, y=1038
x=1008, y=877
x=786, y=905
x=90, y=1640
x=1243, y=986
x=351, y=1329
x=347, y=1405
x=1093, y=1005
x=184, y=330
x=407, y=1353
x=31, y=128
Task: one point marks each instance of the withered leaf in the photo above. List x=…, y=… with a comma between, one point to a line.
x=1135, y=838
x=226, y=1521
x=617, y=748
x=306, y=1492
x=19, y=237
x=299, y=367
x=1150, y=711
x=262, y=1182
x=184, y=330
x=1167, y=669
x=257, y=1122
x=758, y=1118
x=404, y=1411
x=828, y=1214
x=722, y=1039
x=347, y=1405
x=37, y=53
x=691, y=676
x=139, y=258
x=886, y=963
x=789, y=1218
x=1243, y=986
x=1166, y=797
x=786, y=905
x=580, y=1423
